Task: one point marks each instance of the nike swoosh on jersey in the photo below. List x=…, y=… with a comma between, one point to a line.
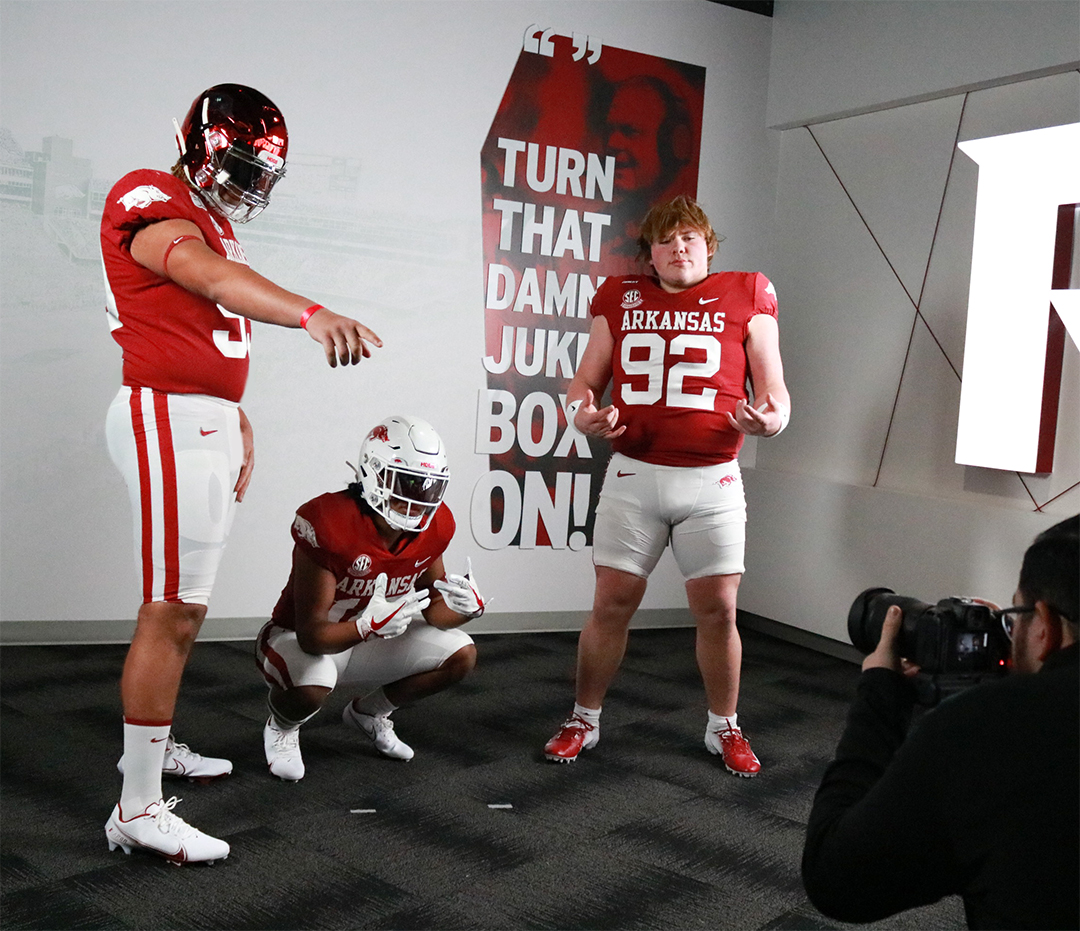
x=206, y=432
x=420, y=562
x=379, y=625
x=707, y=300
x=624, y=474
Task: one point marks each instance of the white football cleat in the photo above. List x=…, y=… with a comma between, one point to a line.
x=158, y=830
x=381, y=730
x=282, y=750
x=183, y=762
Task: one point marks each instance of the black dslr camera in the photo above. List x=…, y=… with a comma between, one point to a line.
x=956, y=642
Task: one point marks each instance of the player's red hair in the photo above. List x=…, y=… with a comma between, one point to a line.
x=678, y=213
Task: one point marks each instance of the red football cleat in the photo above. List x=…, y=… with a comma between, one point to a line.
x=575, y=735
x=730, y=744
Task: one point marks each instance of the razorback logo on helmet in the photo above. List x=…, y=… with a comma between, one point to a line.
x=380, y=433
x=142, y=196
x=361, y=565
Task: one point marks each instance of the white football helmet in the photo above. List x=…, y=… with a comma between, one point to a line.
x=403, y=472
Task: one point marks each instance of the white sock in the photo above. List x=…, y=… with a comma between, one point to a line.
x=376, y=704
x=717, y=722
x=588, y=715
x=144, y=755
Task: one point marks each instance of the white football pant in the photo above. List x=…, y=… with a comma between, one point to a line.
x=180, y=455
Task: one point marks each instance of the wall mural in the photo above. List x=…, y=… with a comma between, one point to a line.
x=586, y=138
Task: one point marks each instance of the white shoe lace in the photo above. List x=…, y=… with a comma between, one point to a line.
x=286, y=742
x=167, y=822
x=380, y=724
x=384, y=727
x=184, y=752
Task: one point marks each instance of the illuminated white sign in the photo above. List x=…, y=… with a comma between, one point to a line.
x=1023, y=179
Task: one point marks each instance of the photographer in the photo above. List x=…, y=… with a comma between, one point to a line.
x=981, y=800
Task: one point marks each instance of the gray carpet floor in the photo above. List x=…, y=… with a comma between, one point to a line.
x=645, y=831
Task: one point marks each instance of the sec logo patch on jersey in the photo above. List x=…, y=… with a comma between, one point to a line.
x=361, y=565
x=631, y=299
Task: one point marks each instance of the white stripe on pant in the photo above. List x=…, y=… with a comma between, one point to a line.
x=180, y=455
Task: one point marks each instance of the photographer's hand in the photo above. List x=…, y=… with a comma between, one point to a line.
x=885, y=655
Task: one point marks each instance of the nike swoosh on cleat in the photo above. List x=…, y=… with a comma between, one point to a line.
x=707, y=300
x=379, y=625
x=178, y=857
x=157, y=740
x=206, y=432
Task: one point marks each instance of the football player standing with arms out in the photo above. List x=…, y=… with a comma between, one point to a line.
x=180, y=297
x=368, y=603
x=678, y=346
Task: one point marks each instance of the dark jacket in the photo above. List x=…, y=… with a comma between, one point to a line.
x=981, y=801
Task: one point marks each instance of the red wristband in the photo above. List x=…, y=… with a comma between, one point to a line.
x=305, y=316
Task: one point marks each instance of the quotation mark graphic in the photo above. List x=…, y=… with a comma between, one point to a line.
x=540, y=41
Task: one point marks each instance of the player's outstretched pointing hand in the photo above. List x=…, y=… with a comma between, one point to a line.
x=387, y=619
x=343, y=339
x=461, y=594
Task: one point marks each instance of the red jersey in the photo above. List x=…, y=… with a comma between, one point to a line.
x=173, y=340
x=339, y=535
x=679, y=363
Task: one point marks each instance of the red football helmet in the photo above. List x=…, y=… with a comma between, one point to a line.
x=232, y=147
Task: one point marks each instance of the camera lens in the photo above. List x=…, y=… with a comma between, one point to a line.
x=867, y=614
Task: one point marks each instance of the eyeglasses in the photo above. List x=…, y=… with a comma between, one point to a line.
x=1008, y=617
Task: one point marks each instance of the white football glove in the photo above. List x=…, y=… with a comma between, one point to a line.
x=461, y=594
x=387, y=619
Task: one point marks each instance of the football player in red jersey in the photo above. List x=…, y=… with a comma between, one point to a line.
x=368, y=604
x=678, y=347
x=180, y=296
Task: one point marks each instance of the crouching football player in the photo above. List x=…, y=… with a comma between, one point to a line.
x=368, y=604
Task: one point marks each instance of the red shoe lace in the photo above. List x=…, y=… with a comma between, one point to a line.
x=577, y=722
x=733, y=741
